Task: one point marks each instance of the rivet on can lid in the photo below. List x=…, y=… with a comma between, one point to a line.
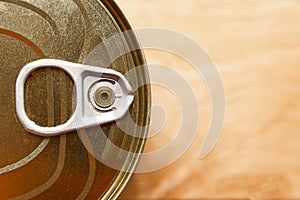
x=104, y=97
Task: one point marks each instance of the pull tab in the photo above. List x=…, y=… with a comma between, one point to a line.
x=103, y=95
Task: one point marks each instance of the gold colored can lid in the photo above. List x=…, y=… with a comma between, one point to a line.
x=89, y=163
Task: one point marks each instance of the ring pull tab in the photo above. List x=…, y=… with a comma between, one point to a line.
x=102, y=96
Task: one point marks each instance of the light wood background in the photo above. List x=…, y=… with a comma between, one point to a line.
x=255, y=45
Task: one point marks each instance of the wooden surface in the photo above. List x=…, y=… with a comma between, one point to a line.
x=255, y=45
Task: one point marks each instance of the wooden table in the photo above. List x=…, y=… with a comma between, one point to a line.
x=255, y=45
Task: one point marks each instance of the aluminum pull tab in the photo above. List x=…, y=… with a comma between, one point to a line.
x=102, y=96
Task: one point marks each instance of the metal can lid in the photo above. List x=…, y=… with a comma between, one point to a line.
x=88, y=163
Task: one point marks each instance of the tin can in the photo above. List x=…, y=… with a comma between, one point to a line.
x=64, y=167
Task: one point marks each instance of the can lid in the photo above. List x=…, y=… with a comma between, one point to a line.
x=87, y=163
